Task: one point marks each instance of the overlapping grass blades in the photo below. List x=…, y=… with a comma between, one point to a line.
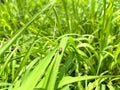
x=74, y=45
x=30, y=80
x=12, y=40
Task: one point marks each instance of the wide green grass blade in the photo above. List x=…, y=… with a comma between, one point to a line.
x=32, y=79
x=55, y=68
x=44, y=82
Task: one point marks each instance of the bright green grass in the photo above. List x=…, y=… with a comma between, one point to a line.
x=60, y=45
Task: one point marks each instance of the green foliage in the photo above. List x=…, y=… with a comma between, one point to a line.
x=60, y=45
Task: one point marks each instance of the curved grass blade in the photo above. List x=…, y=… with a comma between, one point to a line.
x=68, y=79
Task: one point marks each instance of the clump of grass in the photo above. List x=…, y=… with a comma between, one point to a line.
x=59, y=45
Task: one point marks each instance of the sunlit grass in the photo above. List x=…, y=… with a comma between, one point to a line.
x=60, y=45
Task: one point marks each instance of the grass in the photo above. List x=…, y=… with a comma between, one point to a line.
x=60, y=45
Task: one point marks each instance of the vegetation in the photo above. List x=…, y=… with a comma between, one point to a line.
x=60, y=45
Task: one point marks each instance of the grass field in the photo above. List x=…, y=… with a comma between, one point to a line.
x=60, y=45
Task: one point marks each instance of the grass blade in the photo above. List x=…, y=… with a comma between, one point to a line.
x=32, y=79
x=54, y=72
x=12, y=40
